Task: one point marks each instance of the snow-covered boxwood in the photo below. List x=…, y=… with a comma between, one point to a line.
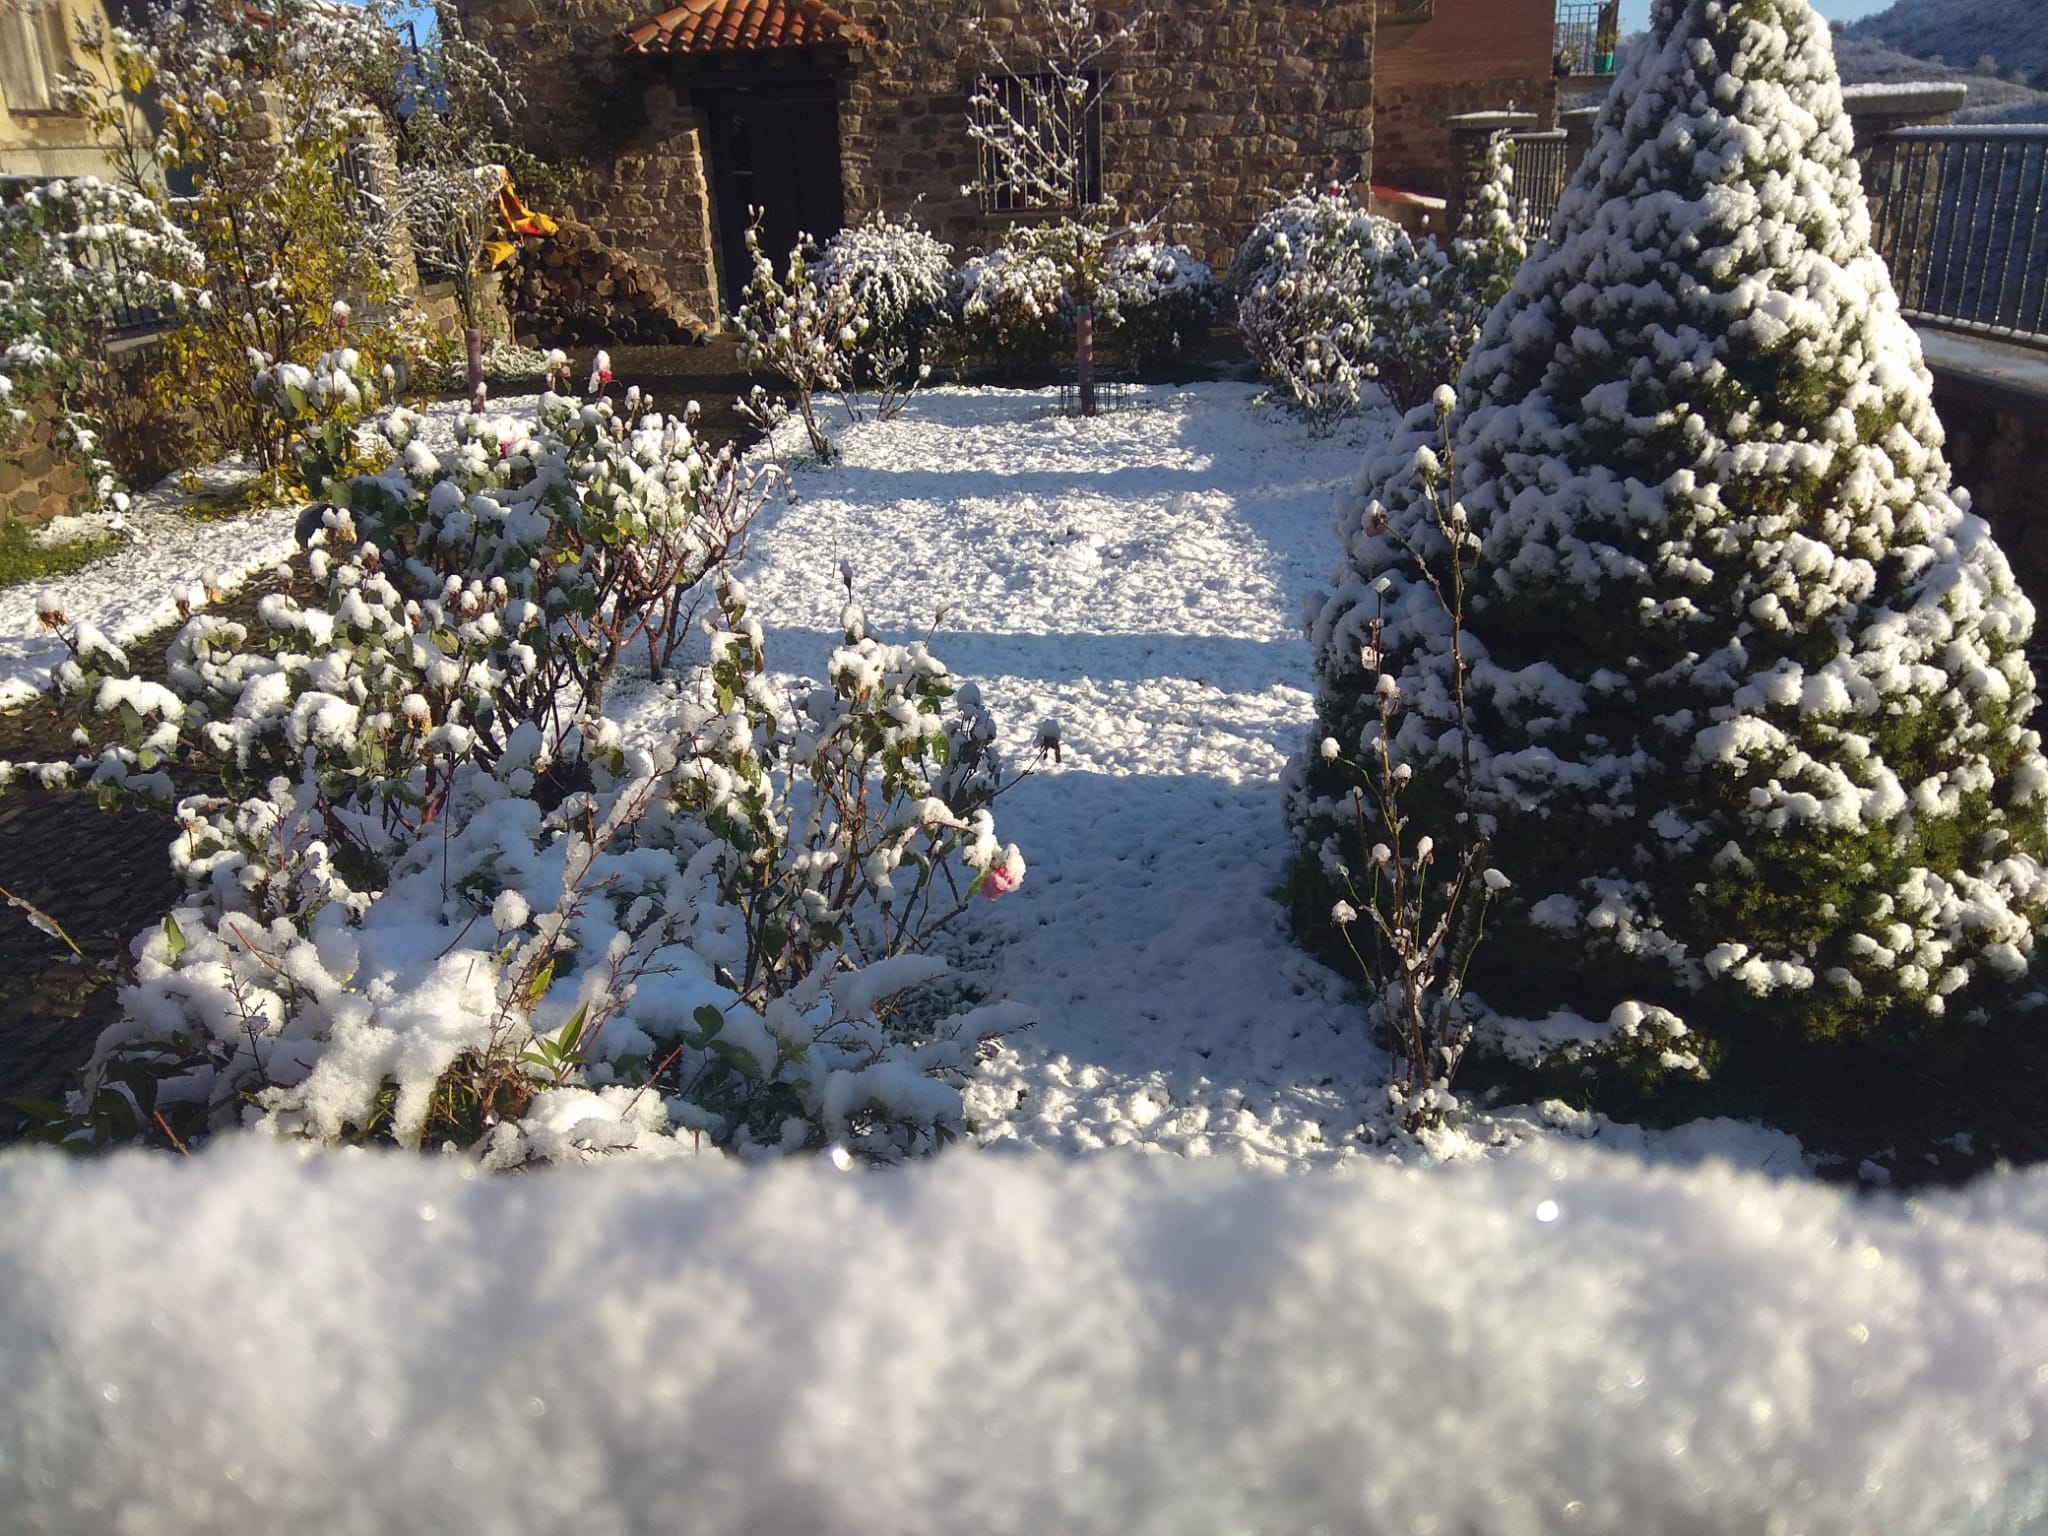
x=1156, y=300
x=1010, y=305
x=1745, y=698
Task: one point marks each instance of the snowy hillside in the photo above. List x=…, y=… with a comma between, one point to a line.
x=1990, y=99
x=1962, y=33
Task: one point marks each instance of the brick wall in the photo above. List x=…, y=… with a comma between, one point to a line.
x=1471, y=56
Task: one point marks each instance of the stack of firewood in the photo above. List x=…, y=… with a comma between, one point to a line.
x=573, y=288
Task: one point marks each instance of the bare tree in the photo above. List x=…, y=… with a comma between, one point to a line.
x=1034, y=112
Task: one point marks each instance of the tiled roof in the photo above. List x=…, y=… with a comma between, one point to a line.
x=734, y=26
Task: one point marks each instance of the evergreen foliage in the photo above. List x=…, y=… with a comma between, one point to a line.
x=1746, y=700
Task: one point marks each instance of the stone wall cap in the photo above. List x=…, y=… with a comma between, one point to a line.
x=1901, y=98
x=1489, y=120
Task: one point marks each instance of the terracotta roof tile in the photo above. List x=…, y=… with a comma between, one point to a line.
x=732, y=26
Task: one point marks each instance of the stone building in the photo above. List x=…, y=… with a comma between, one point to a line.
x=41, y=137
x=684, y=119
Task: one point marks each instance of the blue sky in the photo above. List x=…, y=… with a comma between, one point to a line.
x=1635, y=14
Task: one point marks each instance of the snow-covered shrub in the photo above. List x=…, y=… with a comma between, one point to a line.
x=440, y=899
x=1744, y=689
x=798, y=329
x=318, y=412
x=1428, y=304
x=73, y=256
x=1304, y=280
x=1011, y=303
x=263, y=108
x=900, y=280
x=1331, y=298
x=1016, y=304
x=1155, y=299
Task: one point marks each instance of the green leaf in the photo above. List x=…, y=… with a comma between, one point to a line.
x=445, y=640
x=710, y=1021
x=740, y=1059
x=174, y=936
x=572, y=1032
x=538, y=987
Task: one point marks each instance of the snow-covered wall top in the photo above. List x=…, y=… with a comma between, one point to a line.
x=258, y=1342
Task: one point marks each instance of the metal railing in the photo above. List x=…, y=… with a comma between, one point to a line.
x=1542, y=168
x=1587, y=33
x=1960, y=215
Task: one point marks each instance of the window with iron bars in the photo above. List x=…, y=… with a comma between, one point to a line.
x=1067, y=129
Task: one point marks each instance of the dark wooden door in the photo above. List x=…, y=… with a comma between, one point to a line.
x=776, y=148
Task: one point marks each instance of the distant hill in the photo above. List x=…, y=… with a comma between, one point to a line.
x=2012, y=35
x=1991, y=100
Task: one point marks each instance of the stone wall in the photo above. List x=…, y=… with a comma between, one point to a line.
x=38, y=479
x=1993, y=403
x=1228, y=101
x=643, y=185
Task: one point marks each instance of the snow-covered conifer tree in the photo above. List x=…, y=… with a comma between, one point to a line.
x=1746, y=698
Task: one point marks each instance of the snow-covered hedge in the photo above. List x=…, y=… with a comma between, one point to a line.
x=73, y=256
x=439, y=899
x=1156, y=299
x=1015, y=306
x=1745, y=694
x=253, y=1341
x=1011, y=304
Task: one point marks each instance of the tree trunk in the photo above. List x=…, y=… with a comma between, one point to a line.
x=473, y=357
x=1084, y=356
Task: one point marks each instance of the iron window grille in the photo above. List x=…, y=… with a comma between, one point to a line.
x=1062, y=125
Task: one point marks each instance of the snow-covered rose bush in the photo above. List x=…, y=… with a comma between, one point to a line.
x=900, y=281
x=805, y=332
x=1744, y=689
x=441, y=899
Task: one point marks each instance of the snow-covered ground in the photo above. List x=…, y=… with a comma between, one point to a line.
x=251, y=1343
x=1135, y=579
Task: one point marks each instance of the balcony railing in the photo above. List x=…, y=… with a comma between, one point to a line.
x=1588, y=32
x=1960, y=215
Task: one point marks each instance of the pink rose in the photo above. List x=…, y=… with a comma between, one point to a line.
x=1005, y=875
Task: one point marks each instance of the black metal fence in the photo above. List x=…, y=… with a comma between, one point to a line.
x=1960, y=215
x=1542, y=167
